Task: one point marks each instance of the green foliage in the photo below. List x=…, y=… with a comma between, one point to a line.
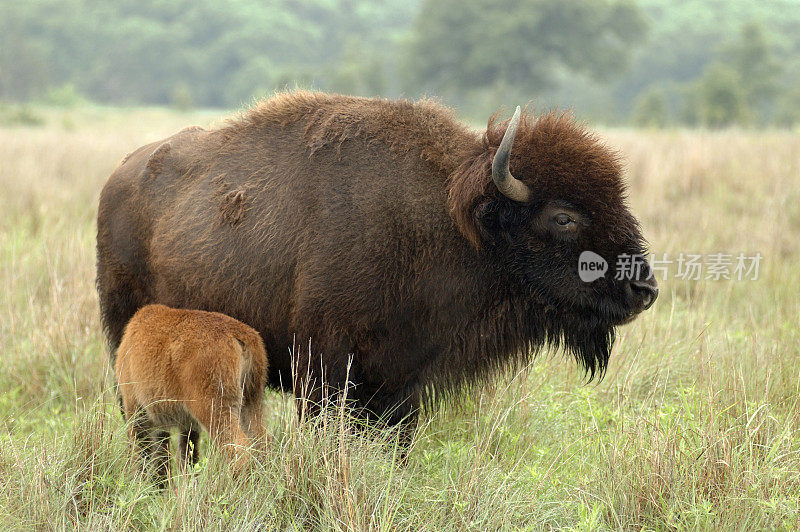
x=459, y=45
x=224, y=54
x=741, y=87
x=66, y=95
x=788, y=112
x=19, y=115
x=182, y=98
x=722, y=99
x=757, y=40
x=604, y=58
x=361, y=71
x=691, y=106
x=753, y=59
x=651, y=109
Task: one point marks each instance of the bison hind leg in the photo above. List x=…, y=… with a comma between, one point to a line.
x=121, y=294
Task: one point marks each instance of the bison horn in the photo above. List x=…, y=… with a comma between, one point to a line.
x=510, y=186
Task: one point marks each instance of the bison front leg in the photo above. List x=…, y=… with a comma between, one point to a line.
x=320, y=375
x=323, y=381
x=396, y=410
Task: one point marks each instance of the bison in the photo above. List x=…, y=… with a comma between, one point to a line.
x=378, y=243
x=190, y=369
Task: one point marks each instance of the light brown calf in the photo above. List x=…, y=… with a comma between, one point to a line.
x=191, y=369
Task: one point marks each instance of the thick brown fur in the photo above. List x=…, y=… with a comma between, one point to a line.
x=191, y=369
x=372, y=228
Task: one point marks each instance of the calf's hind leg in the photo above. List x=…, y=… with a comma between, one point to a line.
x=221, y=419
x=161, y=457
x=252, y=422
x=151, y=444
x=252, y=419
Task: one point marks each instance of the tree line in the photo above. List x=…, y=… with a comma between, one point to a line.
x=650, y=62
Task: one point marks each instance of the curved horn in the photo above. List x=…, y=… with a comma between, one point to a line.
x=510, y=186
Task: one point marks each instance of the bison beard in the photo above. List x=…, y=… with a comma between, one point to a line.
x=380, y=232
x=587, y=339
x=528, y=330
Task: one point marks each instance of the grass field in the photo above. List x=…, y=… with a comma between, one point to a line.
x=696, y=425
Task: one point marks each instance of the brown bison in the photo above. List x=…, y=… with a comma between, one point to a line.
x=190, y=369
x=378, y=242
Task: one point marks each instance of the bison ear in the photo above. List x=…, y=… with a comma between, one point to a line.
x=497, y=221
x=485, y=220
x=480, y=213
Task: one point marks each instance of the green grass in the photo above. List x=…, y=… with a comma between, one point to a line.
x=696, y=425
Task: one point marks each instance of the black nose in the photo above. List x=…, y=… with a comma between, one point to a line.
x=645, y=290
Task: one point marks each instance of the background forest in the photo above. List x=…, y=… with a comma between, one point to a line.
x=647, y=62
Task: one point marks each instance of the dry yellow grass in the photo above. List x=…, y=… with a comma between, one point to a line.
x=696, y=425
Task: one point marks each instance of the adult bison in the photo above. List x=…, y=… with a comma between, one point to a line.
x=410, y=252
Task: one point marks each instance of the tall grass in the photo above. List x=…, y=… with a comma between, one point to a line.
x=696, y=425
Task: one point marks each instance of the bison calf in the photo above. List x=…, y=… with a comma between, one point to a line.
x=190, y=369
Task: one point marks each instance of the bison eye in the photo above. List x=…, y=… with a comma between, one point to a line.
x=563, y=219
